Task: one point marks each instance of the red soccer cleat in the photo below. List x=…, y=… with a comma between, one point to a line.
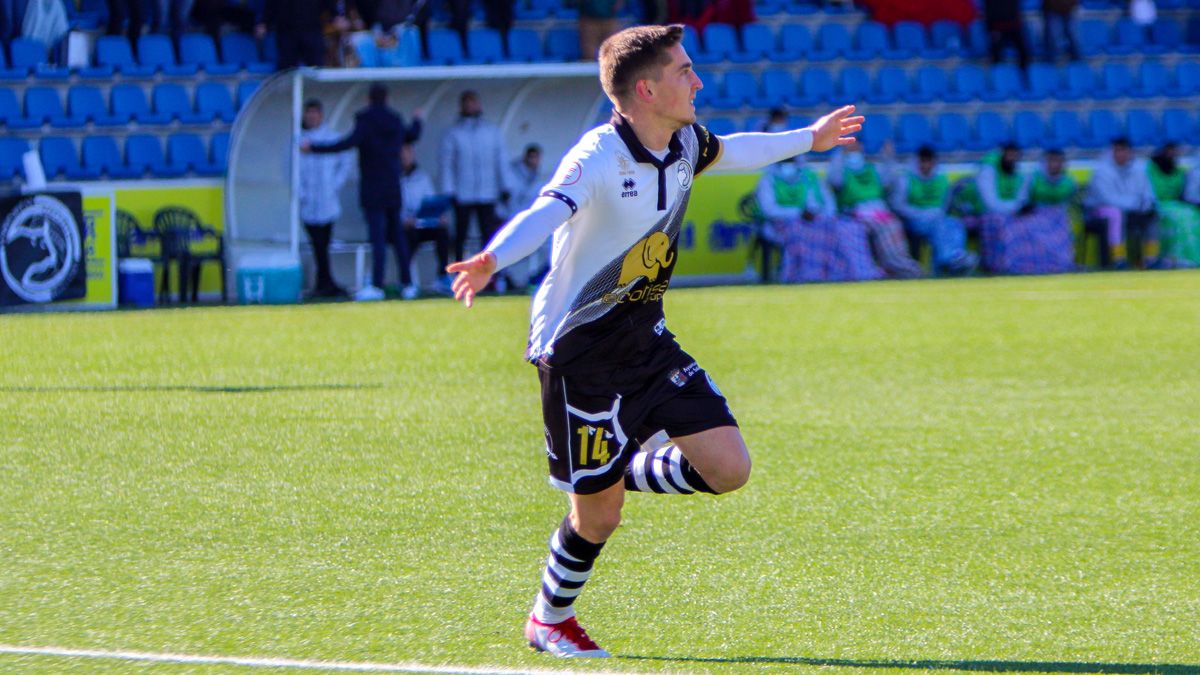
x=566, y=639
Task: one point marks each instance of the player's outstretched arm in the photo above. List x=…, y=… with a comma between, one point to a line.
x=752, y=151
x=474, y=273
x=836, y=129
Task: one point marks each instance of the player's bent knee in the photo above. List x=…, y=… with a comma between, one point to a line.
x=733, y=474
x=596, y=526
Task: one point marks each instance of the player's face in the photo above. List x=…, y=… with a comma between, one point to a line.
x=676, y=89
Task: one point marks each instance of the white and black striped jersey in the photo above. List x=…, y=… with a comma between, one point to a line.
x=601, y=302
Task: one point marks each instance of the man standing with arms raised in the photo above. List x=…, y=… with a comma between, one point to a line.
x=625, y=407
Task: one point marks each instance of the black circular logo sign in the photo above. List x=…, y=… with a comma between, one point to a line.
x=40, y=249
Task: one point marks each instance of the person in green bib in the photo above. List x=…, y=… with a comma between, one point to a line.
x=860, y=195
x=1052, y=184
x=920, y=196
x=1018, y=234
x=1179, y=221
x=818, y=244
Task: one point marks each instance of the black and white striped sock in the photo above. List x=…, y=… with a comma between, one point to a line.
x=660, y=467
x=567, y=569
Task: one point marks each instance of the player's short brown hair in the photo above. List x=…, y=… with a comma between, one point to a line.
x=627, y=56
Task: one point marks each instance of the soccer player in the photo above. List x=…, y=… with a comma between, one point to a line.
x=624, y=407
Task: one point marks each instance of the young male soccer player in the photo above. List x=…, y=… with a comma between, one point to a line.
x=612, y=375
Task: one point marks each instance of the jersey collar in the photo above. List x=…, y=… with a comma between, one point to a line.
x=643, y=156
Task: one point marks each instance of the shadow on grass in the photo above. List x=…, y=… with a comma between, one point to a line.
x=980, y=666
x=194, y=388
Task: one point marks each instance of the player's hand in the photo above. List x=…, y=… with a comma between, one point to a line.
x=306, y=145
x=474, y=273
x=835, y=129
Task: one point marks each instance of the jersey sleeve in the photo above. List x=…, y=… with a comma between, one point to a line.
x=575, y=181
x=709, y=148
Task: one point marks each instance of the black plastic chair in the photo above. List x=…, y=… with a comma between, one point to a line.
x=130, y=233
x=765, y=243
x=191, y=243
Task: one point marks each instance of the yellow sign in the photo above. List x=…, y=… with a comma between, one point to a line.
x=144, y=203
x=716, y=236
x=98, y=248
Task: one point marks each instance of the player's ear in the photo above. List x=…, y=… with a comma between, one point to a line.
x=642, y=89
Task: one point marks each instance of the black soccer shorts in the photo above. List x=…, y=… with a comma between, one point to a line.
x=596, y=422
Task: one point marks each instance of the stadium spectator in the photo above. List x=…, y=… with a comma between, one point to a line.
x=1121, y=200
x=378, y=134
x=860, y=194
x=215, y=14
x=473, y=173
x=321, y=177
x=388, y=18
x=1058, y=16
x=299, y=34
x=1006, y=26
x=801, y=217
x=126, y=15
x=653, y=12
x=777, y=120
x=526, y=181
x=170, y=17
x=416, y=187
x=920, y=195
x=1179, y=220
x=1052, y=184
x=498, y=14
x=1017, y=237
x=597, y=20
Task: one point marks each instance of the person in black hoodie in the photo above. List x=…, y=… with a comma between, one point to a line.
x=1006, y=26
x=378, y=134
x=297, y=25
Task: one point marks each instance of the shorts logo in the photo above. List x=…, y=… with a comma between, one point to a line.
x=630, y=188
x=43, y=224
x=680, y=376
x=570, y=175
x=646, y=259
x=660, y=326
x=684, y=172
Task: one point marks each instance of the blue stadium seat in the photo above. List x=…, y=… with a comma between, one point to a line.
x=445, y=47
x=11, y=114
x=969, y=80
x=531, y=11
x=1092, y=36
x=909, y=41
x=30, y=53
x=241, y=51
x=219, y=150
x=930, y=85
x=86, y=103
x=1143, y=128
x=59, y=159
x=833, y=42
x=562, y=44
x=1028, y=130
x=854, y=84
x=11, y=151
x=1004, y=83
x=721, y=126
x=945, y=38
x=1186, y=81
x=113, y=51
x=101, y=154
x=737, y=89
x=1167, y=34
x=156, y=52
x=245, y=90
x=1103, y=126
x=977, y=41
x=721, y=44
x=709, y=91
x=912, y=131
x=173, y=100
x=758, y=42
x=953, y=132
x=484, y=45
x=691, y=45
x=870, y=41
x=1043, y=83
x=1180, y=126
x=1152, y=80
x=795, y=43
x=770, y=7
x=214, y=102
x=991, y=131
x=129, y=104
x=270, y=48
x=816, y=87
x=876, y=132
x=1116, y=82
x=1130, y=38
x=197, y=49
x=1065, y=129
x=891, y=85
x=778, y=89
x=186, y=152
x=524, y=45
x=1080, y=83
x=144, y=153
x=43, y=105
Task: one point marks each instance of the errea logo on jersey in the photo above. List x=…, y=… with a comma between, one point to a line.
x=630, y=188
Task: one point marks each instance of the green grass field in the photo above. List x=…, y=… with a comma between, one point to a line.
x=983, y=474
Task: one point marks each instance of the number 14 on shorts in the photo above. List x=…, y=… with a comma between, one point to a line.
x=593, y=445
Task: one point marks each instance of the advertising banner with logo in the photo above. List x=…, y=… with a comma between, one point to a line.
x=717, y=237
x=42, y=248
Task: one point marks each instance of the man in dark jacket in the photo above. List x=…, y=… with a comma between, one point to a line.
x=1005, y=26
x=378, y=134
x=297, y=25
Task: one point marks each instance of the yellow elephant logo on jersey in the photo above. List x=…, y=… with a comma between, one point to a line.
x=647, y=258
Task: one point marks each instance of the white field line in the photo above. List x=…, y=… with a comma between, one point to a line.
x=266, y=662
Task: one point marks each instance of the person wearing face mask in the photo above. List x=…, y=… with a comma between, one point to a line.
x=1121, y=199
x=860, y=195
x=920, y=196
x=1016, y=236
x=1179, y=220
x=817, y=243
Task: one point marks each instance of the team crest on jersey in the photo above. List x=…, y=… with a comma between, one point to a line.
x=624, y=165
x=570, y=175
x=684, y=172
